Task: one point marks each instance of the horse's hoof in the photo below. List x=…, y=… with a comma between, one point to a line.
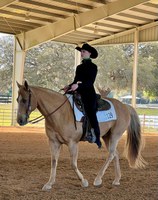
x=47, y=187
x=116, y=183
x=97, y=182
x=85, y=183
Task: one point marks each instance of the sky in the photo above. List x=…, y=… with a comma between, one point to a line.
x=3, y=34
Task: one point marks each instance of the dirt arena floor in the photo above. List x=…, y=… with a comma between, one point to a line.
x=25, y=168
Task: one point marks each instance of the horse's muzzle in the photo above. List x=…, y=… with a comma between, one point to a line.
x=22, y=120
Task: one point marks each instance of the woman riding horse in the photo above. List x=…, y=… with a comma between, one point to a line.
x=60, y=129
x=83, y=84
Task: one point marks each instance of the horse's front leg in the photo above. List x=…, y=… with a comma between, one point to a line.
x=55, y=150
x=73, y=148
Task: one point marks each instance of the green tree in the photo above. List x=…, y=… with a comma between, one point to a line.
x=51, y=65
x=114, y=68
x=6, y=63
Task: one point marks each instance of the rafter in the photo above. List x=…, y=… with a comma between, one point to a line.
x=14, y=15
x=44, y=5
x=76, y=22
x=37, y=11
x=124, y=33
x=58, y=1
x=6, y=3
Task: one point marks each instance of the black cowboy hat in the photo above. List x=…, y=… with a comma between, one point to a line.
x=87, y=47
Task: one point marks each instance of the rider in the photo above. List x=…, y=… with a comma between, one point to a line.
x=83, y=84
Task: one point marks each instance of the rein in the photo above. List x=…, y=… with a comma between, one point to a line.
x=40, y=118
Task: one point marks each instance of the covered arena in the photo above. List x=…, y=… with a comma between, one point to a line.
x=24, y=151
x=98, y=22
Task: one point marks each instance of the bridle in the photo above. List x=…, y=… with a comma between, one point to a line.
x=41, y=117
x=29, y=105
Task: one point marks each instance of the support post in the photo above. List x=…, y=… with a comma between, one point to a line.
x=135, y=67
x=18, y=68
x=77, y=58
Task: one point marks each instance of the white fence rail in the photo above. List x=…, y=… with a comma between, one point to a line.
x=149, y=121
x=5, y=119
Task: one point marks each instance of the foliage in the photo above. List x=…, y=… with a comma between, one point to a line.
x=6, y=63
x=117, y=68
x=52, y=65
x=114, y=69
x=147, y=111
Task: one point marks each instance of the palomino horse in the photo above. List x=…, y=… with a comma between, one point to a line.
x=60, y=129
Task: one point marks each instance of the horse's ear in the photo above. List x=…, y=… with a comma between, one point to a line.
x=18, y=84
x=26, y=85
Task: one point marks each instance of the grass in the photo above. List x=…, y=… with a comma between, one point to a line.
x=147, y=111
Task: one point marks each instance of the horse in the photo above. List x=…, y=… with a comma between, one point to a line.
x=60, y=129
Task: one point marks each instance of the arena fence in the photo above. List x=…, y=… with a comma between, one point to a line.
x=147, y=122
x=6, y=118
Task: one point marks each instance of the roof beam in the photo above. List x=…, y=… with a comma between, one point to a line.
x=19, y=22
x=73, y=23
x=31, y=10
x=58, y=1
x=104, y=24
x=45, y=33
x=6, y=3
x=43, y=5
x=134, y=17
x=103, y=39
x=145, y=12
x=18, y=15
x=99, y=30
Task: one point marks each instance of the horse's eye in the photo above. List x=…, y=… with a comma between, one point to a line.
x=24, y=101
x=17, y=99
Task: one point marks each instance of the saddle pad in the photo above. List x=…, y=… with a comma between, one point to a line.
x=102, y=116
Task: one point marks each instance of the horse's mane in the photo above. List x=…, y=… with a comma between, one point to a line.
x=43, y=89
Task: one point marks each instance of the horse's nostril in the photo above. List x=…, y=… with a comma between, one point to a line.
x=21, y=119
x=20, y=122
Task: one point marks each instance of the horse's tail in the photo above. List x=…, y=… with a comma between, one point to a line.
x=134, y=141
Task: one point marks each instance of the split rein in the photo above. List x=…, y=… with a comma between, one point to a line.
x=40, y=118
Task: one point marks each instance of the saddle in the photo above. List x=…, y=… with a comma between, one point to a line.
x=101, y=103
x=88, y=131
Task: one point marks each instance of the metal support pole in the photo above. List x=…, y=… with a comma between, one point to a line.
x=135, y=66
x=77, y=58
x=18, y=68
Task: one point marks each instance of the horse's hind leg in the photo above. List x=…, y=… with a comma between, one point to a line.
x=112, y=154
x=117, y=169
x=73, y=148
x=106, y=139
x=55, y=150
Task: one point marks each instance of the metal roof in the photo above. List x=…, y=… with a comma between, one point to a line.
x=78, y=21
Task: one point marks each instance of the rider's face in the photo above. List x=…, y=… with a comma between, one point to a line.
x=85, y=54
